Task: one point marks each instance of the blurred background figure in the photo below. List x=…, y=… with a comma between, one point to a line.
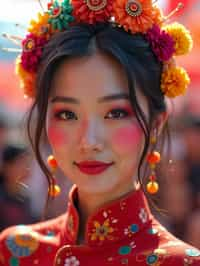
x=14, y=201
x=180, y=180
x=191, y=135
x=3, y=134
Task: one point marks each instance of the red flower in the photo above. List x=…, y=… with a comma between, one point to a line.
x=91, y=11
x=32, y=51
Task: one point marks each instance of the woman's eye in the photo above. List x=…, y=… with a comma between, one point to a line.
x=66, y=115
x=118, y=113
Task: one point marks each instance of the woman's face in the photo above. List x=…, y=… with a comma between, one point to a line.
x=90, y=118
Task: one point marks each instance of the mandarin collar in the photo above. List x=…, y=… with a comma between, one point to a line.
x=114, y=221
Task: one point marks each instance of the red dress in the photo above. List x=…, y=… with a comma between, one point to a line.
x=123, y=232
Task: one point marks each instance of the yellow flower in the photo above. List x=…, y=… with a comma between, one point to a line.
x=41, y=25
x=101, y=231
x=181, y=36
x=174, y=81
x=27, y=79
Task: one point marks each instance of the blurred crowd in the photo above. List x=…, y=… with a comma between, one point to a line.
x=23, y=187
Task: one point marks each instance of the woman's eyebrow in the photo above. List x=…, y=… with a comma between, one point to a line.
x=106, y=98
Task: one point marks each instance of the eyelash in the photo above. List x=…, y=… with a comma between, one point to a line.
x=116, y=110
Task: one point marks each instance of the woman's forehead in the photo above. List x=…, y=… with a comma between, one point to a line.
x=99, y=73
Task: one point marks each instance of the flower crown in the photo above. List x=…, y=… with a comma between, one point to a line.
x=135, y=16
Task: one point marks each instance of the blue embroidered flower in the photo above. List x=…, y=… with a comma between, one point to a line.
x=124, y=250
x=13, y=261
x=151, y=259
x=192, y=252
x=152, y=231
x=132, y=229
x=23, y=242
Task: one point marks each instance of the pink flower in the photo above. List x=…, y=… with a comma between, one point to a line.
x=32, y=51
x=161, y=43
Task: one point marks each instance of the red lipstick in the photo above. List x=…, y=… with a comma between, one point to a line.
x=93, y=167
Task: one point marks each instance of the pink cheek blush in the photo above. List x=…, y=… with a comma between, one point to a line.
x=56, y=136
x=127, y=138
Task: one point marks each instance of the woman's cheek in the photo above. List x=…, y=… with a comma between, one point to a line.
x=127, y=138
x=57, y=136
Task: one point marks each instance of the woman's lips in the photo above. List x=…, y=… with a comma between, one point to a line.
x=93, y=167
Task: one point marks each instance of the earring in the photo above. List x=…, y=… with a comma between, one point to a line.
x=54, y=189
x=153, y=159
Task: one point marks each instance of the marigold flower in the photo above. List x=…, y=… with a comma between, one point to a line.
x=161, y=43
x=134, y=15
x=91, y=11
x=158, y=16
x=27, y=79
x=182, y=38
x=174, y=81
x=40, y=26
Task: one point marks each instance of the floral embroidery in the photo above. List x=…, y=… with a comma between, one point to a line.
x=14, y=261
x=72, y=261
x=132, y=229
x=70, y=223
x=152, y=231
x=192, y=252
x=124, y=250
x=23, y=242
x=50, y=234
x=143, y=215
x=151, y=259
x=187, y=262
x=102, y=231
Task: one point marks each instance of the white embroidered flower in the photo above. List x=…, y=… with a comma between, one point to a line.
x=126, y=231
x=132, y=244
x=72, y=261
x=143, y=215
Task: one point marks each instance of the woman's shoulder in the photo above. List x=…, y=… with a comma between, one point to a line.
x=178, y=253
x=24, y=240
x=175, y=252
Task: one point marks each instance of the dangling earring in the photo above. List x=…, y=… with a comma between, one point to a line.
x=153, y=159
x=54, y=189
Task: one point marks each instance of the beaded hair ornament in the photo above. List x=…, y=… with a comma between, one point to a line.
x=135, y=16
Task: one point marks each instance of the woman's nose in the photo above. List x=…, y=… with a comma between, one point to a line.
x=91, y=137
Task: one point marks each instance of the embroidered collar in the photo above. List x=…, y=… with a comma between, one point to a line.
x=114, y=221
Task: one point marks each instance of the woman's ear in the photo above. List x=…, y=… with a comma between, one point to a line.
x=160, y=121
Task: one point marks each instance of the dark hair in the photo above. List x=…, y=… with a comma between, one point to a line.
x=132, y=51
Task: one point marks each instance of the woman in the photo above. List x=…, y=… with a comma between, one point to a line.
x=100, y=100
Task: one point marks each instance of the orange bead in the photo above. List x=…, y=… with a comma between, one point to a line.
x=52, y=162
x=54, y=190
x=153, y=157
x=152, y=187
x=152, y=178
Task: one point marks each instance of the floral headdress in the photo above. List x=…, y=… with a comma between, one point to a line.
x=135, y=16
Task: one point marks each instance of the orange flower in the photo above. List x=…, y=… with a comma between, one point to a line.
x=27, y=79
x=40, y=26
x=158, y=17
x=134, y=15
x=103, y=231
